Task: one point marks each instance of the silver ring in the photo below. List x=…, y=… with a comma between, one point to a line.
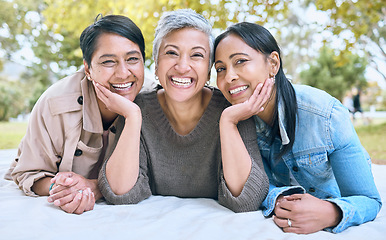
x=289, y=222
x=80, y=191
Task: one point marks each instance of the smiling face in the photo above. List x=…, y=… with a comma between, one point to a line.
x=241, y=68
x=118, y=65
x=183, y=63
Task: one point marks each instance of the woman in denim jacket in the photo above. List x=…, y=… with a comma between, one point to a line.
x=320, y=175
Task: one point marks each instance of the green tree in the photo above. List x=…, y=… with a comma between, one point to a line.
x=327, y=72
x=365, y=20
x=71, y=17
x=13, y=23
x=11, y=104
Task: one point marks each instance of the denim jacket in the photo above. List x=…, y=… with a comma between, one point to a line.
x=327, y=159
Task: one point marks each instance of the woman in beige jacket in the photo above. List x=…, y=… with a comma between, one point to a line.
x=69, y=128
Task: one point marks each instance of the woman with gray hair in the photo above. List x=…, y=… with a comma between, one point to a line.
x=184, y=146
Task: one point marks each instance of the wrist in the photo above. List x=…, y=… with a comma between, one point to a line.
x=134, y=117
x=227, y=120
x=49, y=190
x=335, y=214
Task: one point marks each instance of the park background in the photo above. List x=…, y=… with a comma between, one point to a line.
x=334, y=45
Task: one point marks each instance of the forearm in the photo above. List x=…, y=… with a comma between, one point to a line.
x=122, y=168
x=41, y=187
x=355, y=210
x=235, y=157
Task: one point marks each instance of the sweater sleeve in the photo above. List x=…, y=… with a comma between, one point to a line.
x=256, y=187
x=140, y=191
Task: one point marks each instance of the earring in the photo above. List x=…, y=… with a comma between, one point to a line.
x=273, y=78
x=156, y=77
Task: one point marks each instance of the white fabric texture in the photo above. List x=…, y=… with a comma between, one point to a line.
x=23, y=217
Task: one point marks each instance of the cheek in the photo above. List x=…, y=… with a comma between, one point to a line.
x=220, y=81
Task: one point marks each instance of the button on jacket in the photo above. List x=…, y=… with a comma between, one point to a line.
x=327, y=159
x=64, y=134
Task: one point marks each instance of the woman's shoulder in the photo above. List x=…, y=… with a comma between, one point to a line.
x=144, y=98
x=65, y=92
x=314, y=100
x=218, y=98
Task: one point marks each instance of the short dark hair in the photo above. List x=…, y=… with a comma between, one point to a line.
x=260, y=39
x=117, y=24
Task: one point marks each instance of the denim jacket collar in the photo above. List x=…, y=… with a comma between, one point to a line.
x=262, y=127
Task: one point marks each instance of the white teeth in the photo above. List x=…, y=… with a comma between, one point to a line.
x=237, y=90
x=181, y=81
x=122, y=85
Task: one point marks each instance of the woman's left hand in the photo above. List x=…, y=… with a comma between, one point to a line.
x=253, y=105
x=306, y=214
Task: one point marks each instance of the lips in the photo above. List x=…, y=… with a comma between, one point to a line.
x=238, y=89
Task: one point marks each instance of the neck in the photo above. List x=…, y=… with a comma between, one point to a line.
x=267, y=114
x=184, y=116
x=108, y=117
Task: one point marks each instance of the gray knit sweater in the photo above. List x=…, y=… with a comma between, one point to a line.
x=188, y=166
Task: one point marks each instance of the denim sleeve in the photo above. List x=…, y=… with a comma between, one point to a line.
x=360, y=201
x=268, y=204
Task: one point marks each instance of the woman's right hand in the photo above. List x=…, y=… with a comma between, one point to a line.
x=254, y=105
x=115, y=102
x=73, y=193
x=306, y=213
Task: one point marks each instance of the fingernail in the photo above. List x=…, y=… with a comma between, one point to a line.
x=57, y=202
x=49, y=200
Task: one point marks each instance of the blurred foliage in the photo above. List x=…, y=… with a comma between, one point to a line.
x=71, y=17
x=11, y=104
x=51, y=28
x=365, y=20
x=329, y=74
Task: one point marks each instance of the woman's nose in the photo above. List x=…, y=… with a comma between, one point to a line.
x=122, y=71
x=183, y=64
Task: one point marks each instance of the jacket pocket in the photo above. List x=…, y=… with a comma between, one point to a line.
x=85, y=158
x=315, y=165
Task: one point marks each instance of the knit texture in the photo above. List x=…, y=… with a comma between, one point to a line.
x=190, y=165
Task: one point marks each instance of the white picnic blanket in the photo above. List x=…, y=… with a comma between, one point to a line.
x=23, y=217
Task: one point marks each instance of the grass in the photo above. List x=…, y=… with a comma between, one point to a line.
x=373, y=139
x=372, y=136
x=11, y=134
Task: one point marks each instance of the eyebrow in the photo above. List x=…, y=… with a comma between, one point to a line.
x=231, y=56
x=113, y=55
x=174, y=46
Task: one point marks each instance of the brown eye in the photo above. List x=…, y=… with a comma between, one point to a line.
x=220, y=69
x=171, y=53
x=241, y=61
x=132, y=60
x=108, y=63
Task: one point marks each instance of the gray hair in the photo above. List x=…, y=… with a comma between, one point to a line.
x=179, y=19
